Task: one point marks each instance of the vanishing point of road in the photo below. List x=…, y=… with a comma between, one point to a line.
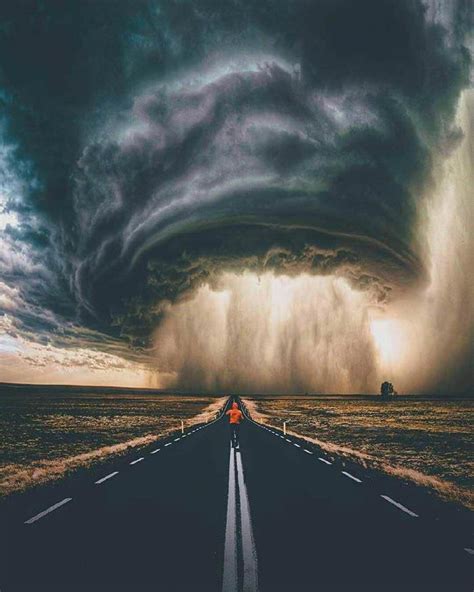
x=191, y=514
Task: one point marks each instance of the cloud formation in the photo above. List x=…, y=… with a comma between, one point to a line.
x=149, y=149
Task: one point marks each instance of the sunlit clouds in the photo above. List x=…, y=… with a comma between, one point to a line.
x=268, y=333
x=33, y=363
x=237, y=195
x=388, y=339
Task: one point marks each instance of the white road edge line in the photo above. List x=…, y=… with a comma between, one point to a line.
x=307, y=451
x=297, y=445
x=351, y=476
x=249, y=554
x=155, y=451
x=106, y=477
x=324, y=460
x=229, y=580
x=399, y=506
x=134, y=462
x=47, y=511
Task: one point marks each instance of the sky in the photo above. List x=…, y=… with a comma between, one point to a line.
x=256, y=196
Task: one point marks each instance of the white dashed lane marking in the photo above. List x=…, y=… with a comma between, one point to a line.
x=106, y=478
x=399, y=506
x=155, y=451
x=469, y=550
x=169, y=444
x=357, y=480
x=48, y=510
x=134, y=462
x=351, y=476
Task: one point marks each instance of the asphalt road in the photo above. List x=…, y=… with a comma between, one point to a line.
x=191, y=514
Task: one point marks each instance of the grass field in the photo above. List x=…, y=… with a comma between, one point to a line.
x=45, y=435
x=426, y=440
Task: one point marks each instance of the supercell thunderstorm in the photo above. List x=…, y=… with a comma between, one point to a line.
x=266, y=196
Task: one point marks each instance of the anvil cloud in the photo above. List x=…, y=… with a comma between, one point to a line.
x=150, y=148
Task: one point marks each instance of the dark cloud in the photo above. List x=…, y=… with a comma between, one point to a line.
x=160, y=143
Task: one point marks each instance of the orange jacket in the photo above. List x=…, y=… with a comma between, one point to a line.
x=235, y=414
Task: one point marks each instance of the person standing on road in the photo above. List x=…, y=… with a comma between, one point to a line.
x=235, y=417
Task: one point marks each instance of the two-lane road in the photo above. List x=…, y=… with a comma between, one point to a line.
x=188, y=513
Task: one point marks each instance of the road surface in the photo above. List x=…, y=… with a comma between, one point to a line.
x=191, y=514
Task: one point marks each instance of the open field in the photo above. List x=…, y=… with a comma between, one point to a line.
x=45, y=435
x=429, y=441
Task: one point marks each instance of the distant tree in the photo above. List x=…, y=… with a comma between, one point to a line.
x=386, y=389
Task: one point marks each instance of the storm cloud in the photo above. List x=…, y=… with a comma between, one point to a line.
x=150, y=147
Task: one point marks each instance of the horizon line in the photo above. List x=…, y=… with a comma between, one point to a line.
x=164, y=391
